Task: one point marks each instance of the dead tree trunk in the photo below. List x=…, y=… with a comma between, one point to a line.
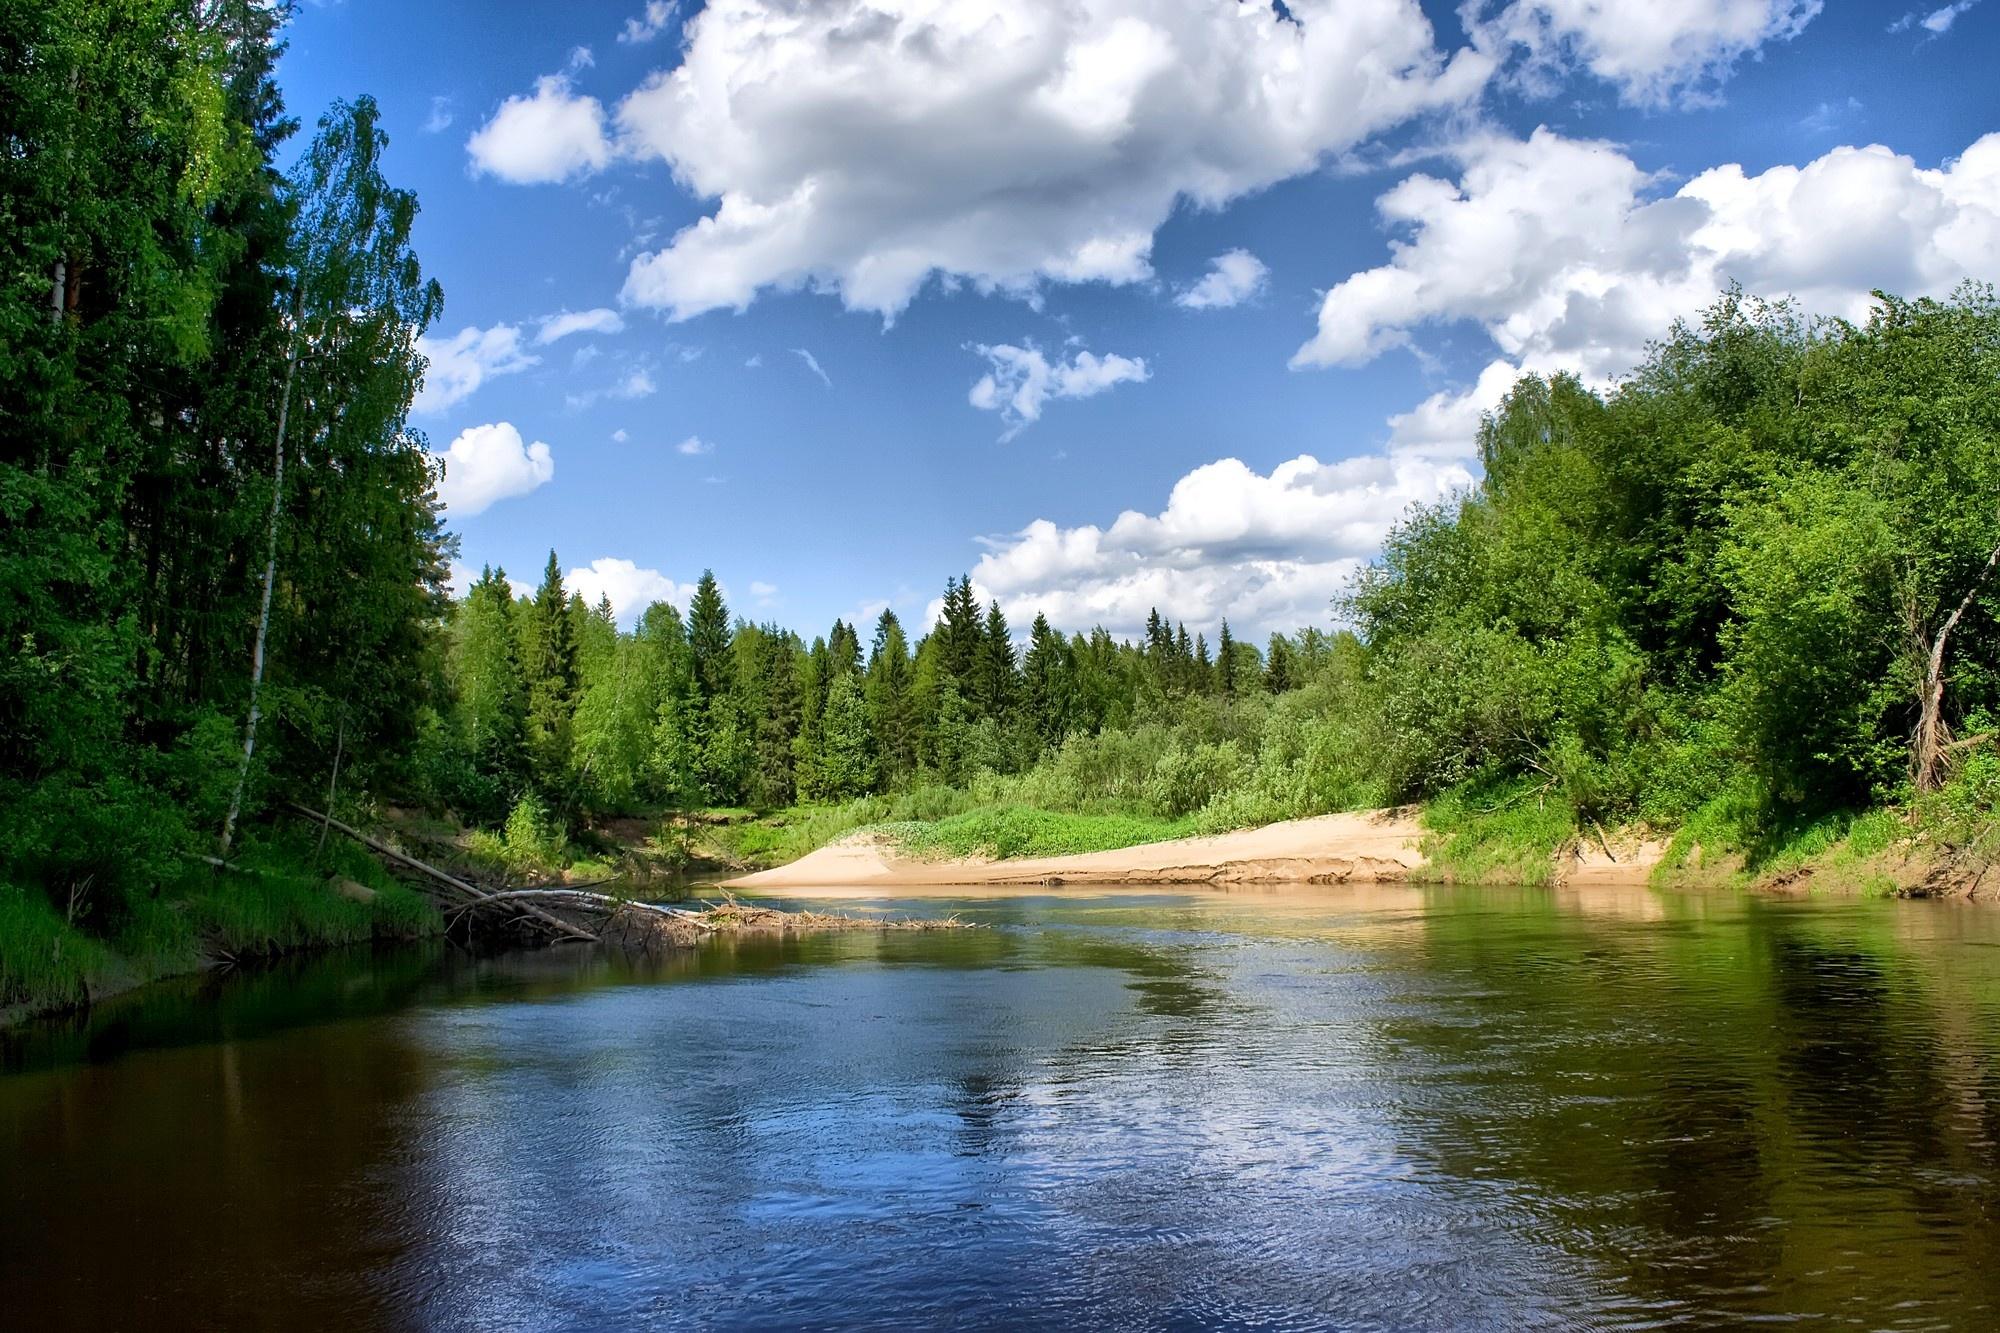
x=1931, y=743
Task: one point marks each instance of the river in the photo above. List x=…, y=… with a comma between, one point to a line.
x=1363, y=1108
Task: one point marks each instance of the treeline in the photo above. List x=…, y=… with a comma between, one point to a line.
x=554, y=702
x=221, y=567
x=1756, y=582
x=1753, y=585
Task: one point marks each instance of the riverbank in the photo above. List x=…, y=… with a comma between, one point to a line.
x=1880, y=854
x=1368, y=847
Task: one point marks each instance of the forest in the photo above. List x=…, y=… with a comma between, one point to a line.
x=1747, y=594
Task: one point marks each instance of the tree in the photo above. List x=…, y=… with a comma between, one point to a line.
x=1225, y=660
x=355, y=282
x=847, y=761
x=1278, y=665
x=778, y=720
x=491, y=694
x=997, y=669
x=553, y=680
x=1048, y=686
x=890, y=710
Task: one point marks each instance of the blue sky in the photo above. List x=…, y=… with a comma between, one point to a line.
x=1417, y=202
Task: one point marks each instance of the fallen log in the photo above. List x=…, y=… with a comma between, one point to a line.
x=473, y=896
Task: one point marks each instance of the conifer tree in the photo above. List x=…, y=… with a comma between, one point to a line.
x=552, y=680
x=777, y=723
x=889, y=704
x=1225, y=661
x=1048, y=687
x=1278, y=667
x=997, y=668
x=959, y=633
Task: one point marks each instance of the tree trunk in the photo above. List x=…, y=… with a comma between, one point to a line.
x=1931, y=741
x=264, y=612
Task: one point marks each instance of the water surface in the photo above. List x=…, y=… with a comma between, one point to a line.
x=1360, y=1108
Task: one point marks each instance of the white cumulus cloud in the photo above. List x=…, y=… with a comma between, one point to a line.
x=1652, y=51
x=863, y=148
x=694, y=447
x=630, y=588
x=1266, y=551
x=566, y=322
x=1233, y=277
x=1562, y=252
x=489, y=463
x=461, y=363
x=1446, y=424
x=1022, y=379
x=548, y=136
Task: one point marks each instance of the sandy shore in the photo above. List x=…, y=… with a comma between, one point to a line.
x=1376, y=847
x=1371, y=847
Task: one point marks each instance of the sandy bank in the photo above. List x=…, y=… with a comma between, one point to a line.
x=1376, y=847
x=1370, y=847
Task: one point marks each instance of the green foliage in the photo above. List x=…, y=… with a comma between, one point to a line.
x=1009, y=832
x=1496, y=830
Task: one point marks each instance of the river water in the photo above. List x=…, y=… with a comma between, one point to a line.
x=1362, y=1108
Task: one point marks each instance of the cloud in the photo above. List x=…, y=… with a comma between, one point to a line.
x=489, y=463
x=636, y=383
x=461, y=363
x=812, y=364
x=763, y=592
x=694, y=447
x=440, y=117
x=564, y=323
x=1233, y=278
x=619, y=435
x=1937, y=22
x=1022, y=380
x=1653, y=53
x=651, y=21
x=755, y=361
x=1558, y=250
x=1446, y=424
x=1267, y=551
x=861, y=150
x=544, y=138
x=630, y=588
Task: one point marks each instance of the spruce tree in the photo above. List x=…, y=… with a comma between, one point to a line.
x=889, y=703
x=997, y=669
x=552, y=680
x=708, y=638
x=1225, y=661
x=1047, y=686
x=1278, y=667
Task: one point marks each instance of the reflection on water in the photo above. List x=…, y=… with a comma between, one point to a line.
x=1367, y=1108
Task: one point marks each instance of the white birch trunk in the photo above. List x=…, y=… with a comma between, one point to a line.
x=264, y=612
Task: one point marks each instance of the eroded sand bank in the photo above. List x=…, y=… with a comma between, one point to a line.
x=1369, y=847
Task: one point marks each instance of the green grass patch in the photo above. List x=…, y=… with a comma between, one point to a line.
x=1496, y=832
x=44, y=961
x=278, y=899
x=1008, y=832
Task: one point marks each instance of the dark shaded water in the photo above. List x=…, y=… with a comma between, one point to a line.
x=1363, y=1108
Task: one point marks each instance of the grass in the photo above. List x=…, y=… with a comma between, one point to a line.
x=276, y=902
x=1496, y=832
x=1008, y=832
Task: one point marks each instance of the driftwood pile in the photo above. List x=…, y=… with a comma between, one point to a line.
x=579, y=913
